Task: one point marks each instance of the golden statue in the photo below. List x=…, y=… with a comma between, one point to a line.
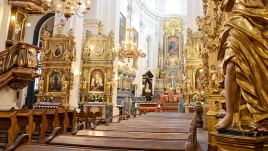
x=83, y=85
x=110, y=86
x=100, y=27
x=167, y=87
x=163, y=73
x=60, y=26
x=178, y=87
x=158, y=72
x=187, y=87
x=243, y=53
x=65, y=86
x=41, y=85
x=67, y=55
x=71, y=32
x=213, y=84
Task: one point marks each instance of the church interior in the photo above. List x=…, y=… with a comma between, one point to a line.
x=182, y=75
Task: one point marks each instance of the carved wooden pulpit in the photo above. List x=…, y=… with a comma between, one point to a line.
x=170, y=95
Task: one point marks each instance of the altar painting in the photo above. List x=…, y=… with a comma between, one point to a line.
x=173, y=45
x=55, y=82
x=135, y=40
x=97, y=81
x=198, y=79
x=122, y=32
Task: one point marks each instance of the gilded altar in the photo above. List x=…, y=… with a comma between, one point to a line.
x=97, y=76
x=170, y=62
x=194, y=73
x=57, y=54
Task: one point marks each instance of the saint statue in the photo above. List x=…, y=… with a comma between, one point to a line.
x=71, y=32
x=65, y=86
x=83, y=85
x=41, y=85
x=178, y=87
x=60, y=26
x=100, y=27
x=147, y=90
x=199, y=21
x=67, y=55
x=213, y=84
x=243, y=54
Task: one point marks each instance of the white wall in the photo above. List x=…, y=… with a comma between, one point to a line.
x=194, y=9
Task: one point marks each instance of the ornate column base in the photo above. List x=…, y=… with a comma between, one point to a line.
x=199, y=109
x=205, y=121
x=240, y=143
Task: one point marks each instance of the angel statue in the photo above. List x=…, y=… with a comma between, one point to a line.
x=243, y=55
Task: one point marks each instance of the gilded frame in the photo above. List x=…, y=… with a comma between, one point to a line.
x=167, y=35
x=22, y=32
x=101, y=49
x=194, y=73
x=104, y=82
x=120, y=42
x=48, y=76
x=136, y=65
x=53, y=52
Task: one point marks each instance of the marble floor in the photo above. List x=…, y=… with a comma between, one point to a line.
x=202, y=140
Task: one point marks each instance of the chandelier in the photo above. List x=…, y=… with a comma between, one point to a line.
x=128, y=47
x=68, y=7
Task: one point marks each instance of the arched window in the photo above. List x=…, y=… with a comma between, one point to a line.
x=147, y=52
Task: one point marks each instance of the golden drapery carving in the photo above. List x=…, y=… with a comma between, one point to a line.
x=244, y=41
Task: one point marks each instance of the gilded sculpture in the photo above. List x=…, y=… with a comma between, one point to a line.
x=65, y=85
x=41, y=85
x=242, y=52
x=167, y=87
x=67, y=55
x=60, y=26
x=83, y=85
x=71, y=32
x=178, y=87
x=163, y=74
x=110, y=86
x=100, y=27
x=213, y=84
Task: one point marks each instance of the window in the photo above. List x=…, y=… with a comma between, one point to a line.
x=173, y=6
x=147, y=52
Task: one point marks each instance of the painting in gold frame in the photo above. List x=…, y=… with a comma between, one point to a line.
x=98, y=49
x=135, y=36
x=57, y=51
x=198, y=78
x=122, y=33
x=97, y=81
x=55, y=82
x=20, y=19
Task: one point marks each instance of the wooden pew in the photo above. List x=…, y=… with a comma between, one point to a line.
x=72, y=120
x=41, y=122
x=167, y=136
x=9, y=125
x=64, y=119
x=25, y=121
x=52, y=118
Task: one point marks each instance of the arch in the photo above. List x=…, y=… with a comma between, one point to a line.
x=38, y=27
x=31, y=98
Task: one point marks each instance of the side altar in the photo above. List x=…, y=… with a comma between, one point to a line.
x=56, y=56
x=97, y=76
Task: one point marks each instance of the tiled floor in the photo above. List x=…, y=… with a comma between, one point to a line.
x=202, y=140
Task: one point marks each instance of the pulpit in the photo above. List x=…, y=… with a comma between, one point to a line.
x=170, y=96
